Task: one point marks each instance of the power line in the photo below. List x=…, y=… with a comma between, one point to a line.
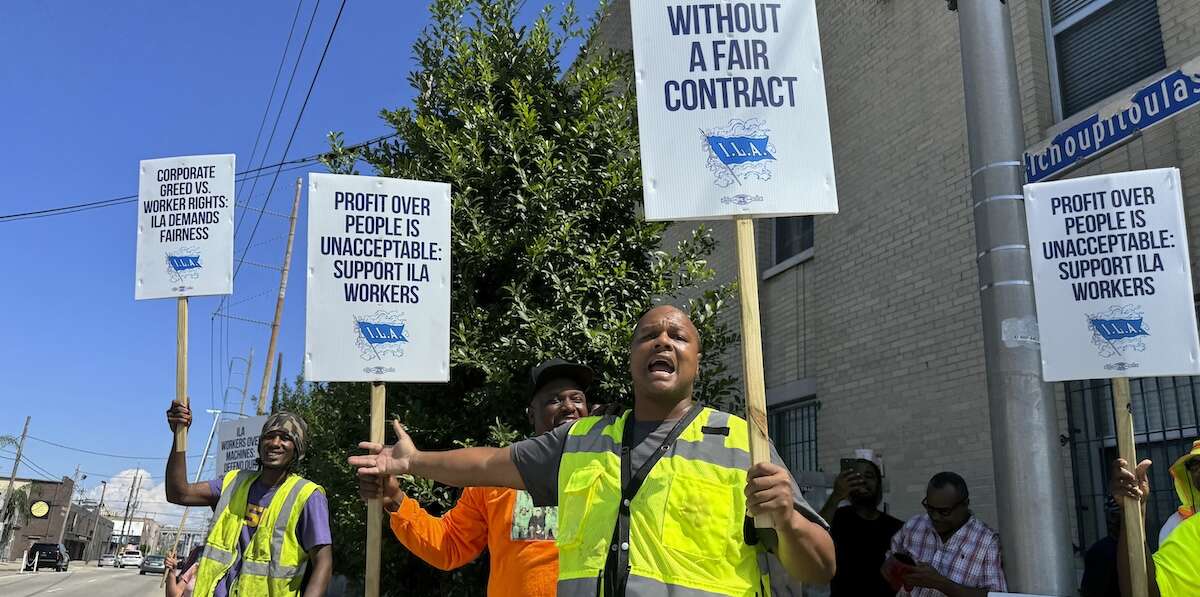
x=58, y=445
x=271, y=98
x=295, y=127
x=66, y=209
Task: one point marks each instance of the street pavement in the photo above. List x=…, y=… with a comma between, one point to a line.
x=81, y=581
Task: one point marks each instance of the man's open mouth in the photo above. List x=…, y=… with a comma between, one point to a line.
x=661, y=365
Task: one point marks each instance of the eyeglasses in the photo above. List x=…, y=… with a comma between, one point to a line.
x=943, y=512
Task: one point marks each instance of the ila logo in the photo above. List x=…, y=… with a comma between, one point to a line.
x=739, y=151
x=1119, y=330
x=382, y=334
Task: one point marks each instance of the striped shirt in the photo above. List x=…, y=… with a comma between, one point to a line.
x=970, y=558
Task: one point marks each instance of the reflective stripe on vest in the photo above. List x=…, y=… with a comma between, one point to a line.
x=686, y=522
x=273, y=564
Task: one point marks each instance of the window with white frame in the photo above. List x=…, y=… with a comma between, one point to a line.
x=1098, y=47
x=793, y=236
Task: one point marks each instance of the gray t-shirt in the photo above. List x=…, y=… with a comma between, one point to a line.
x=537, y=459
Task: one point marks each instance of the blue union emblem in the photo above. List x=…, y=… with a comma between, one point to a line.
x=738, y=151
x=1120, y=329
x=383, y=333
x=181, y=263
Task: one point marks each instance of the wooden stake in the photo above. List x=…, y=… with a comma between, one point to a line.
x=283, y=279
x=181, y=349
x=374, y=507
x=1133, y=524
x=752, y=359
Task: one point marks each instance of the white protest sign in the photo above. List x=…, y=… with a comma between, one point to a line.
x=378, y=280
x=731, y=109
x=237, y=444
x=185, y=227
x=1111, y=276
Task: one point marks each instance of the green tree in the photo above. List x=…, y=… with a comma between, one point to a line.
x=550, y=255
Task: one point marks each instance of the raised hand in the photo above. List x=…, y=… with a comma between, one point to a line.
x=1124, y=483
x=386, y=460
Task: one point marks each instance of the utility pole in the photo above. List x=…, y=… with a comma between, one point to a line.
x=129, y=505
x=8, y=492
x=96, y=525
x=283, y=278
x=1030, y=492
x=62, y=532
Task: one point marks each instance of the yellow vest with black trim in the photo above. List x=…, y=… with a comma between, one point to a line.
x=274, y=562
x=686, y=522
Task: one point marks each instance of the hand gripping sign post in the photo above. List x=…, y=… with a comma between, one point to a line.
x=378, y=294
x=733, y=124
x=1113, y=286
x=184, y=241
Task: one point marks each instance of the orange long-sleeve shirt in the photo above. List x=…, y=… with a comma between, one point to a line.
x=483, y=517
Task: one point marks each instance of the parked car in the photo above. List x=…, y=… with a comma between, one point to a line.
x=130, y=557
x=108, y=559
x=155, y=564
x=47, y=555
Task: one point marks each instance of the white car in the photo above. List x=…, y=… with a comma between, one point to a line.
x=130, y=558
x=107, y=559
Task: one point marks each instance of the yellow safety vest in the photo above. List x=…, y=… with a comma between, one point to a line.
x=274, y=562
x=685, y=524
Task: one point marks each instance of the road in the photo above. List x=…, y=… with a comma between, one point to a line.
x=81, y=581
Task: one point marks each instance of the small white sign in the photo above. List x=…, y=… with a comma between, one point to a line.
x=378, y=280
x=237, y=444
x=1111, y=276
x=185, y=227
x=731, y=109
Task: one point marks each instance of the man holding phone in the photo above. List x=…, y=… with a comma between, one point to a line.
x=955, y=554
x=861, y=532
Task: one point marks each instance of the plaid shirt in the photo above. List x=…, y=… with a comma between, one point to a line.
x=971, y=558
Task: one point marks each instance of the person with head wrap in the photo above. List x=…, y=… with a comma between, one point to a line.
x=1174, y=570
x=270, y=531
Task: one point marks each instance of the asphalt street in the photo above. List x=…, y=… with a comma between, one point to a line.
x=81, y=580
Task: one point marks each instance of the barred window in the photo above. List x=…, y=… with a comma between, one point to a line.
x=1166, y=415
x=793, y=429
x=1098, y=47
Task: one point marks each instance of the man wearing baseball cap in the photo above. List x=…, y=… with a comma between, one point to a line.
x=519, y=537
x=268, y=525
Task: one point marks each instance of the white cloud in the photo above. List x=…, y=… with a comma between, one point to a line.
x=150, y=499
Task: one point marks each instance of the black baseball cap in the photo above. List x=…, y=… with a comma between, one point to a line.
x=558, y=369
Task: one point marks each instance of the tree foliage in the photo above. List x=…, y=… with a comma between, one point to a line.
x=550, y=255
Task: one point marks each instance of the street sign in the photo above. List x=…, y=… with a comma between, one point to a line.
x=731, y=110
x=185, y=227
x=1111, y=275
x=378, y=280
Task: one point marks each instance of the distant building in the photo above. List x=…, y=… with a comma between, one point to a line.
x=42, y=515
x=140, y=532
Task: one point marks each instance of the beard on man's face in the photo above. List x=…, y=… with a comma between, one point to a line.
x=864, y=500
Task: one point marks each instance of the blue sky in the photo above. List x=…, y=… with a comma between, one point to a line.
x=91, y=88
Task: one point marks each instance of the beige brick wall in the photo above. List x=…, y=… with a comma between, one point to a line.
x=885, y=317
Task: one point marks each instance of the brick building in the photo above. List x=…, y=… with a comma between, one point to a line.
x=48, y=507
x=871, y=318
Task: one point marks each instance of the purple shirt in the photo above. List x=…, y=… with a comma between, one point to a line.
x=312, y=528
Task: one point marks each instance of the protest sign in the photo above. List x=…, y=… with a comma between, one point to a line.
x=731, y=110
x=378, y=280
x=1111, y=274
x=185, y=227
x=237, y=444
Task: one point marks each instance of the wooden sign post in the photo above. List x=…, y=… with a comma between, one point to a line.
x=181, y=367
x=752, y=359
x=374, y=507
x=1132, y=522
x=367, y=319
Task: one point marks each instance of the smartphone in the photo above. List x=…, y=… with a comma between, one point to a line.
x=905, y=558
x=848, y=464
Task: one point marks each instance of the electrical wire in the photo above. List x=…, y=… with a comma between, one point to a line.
x=105, y=454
